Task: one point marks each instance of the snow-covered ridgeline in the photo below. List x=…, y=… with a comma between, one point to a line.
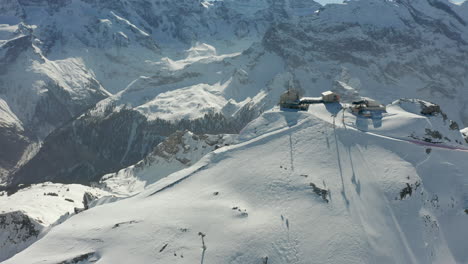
x=302, y=186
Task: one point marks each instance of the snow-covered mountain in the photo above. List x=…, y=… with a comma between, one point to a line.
x=405, y=52
x=151, y=98
x=301, y=187
x=187, y=67
x=60, y=58
x=37, y=95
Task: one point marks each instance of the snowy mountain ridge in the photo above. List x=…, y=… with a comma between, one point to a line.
x=301, y=180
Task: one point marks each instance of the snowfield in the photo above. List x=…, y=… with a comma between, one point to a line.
x=47, y=202
x=28, y=214
x=301, y=187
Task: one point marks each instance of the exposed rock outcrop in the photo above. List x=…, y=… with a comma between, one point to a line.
x=18, y=231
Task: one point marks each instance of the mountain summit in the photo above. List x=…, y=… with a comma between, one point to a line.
x=298, y=187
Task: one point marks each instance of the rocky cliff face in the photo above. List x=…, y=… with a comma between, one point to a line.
x=18, y=232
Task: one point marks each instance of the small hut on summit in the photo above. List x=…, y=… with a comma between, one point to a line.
x=330, y=97
x=290, y=96
x=291, y=99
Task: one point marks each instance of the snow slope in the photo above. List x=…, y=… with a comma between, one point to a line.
x=26, y=215
x=178, y=151
x=40, y=202
x=465, y=133
x=301, y=188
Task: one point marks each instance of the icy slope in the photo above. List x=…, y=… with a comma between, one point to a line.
x=302, y=188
